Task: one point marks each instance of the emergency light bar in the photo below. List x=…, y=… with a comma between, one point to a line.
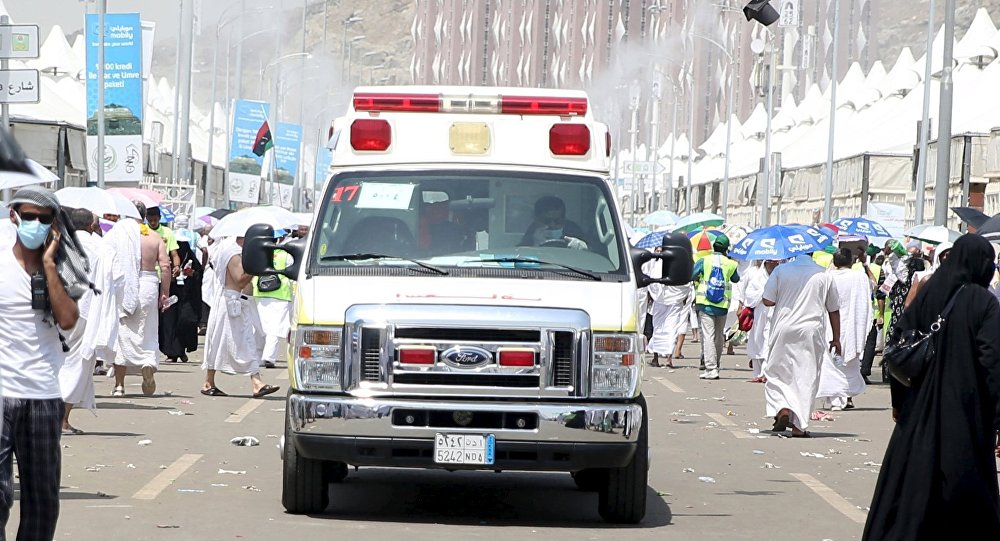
x=441, y=103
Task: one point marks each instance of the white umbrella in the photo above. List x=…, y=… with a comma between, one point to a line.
x=98, y=201
x=303, y=218
x=933, y=234
x=237, y=223
x=39, y=175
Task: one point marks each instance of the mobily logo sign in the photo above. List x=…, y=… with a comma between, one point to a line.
x=799, y=244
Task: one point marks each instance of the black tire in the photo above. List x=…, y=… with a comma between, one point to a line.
x=622, y=499
x=304, y=484
x=335, y=471
x=590, y=480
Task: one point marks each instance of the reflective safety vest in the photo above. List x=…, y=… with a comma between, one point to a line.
x=728, y=270
x=285, y=291
x=876, y=273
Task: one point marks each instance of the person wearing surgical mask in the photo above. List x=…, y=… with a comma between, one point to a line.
x=34, y=307
x=551, y=229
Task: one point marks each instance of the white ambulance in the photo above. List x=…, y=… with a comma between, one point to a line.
x=467, y=298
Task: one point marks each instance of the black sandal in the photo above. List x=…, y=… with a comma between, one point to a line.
x=214, y=391
x=266, y=390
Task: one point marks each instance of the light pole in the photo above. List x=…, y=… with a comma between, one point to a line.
x=350, y=54
x=828, y=185
x=944, y=119
x=635, y=93
x=275, y=111
x=210, y=172
x=729, y=118
x=353, y=19
x=764, y=187
x=925, y=119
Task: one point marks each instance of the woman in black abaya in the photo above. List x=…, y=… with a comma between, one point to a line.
x=939, y=475
x=179, y=323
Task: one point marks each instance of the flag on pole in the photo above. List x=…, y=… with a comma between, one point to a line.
x=264, y=141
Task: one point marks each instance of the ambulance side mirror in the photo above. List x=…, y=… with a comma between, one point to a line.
x=677, y=258
x=258, y=253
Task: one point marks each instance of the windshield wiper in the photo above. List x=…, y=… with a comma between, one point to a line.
x=361, y=257
x=581, y=272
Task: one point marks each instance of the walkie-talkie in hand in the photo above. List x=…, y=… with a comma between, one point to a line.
x=39, y=292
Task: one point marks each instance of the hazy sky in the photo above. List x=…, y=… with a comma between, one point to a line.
x=69, y=14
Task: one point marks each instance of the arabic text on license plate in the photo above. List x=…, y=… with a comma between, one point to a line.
x=464, y=448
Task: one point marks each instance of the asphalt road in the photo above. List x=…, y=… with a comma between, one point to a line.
x=163, y=468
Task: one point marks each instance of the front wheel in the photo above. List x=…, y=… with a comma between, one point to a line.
x=622, y=499
x=304, y=486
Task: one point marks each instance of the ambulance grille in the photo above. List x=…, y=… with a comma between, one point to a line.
x=562, y=359
x=370, y=354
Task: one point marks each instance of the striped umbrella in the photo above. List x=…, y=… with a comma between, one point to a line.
x=703, y=239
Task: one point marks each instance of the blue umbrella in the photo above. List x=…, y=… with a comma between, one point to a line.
x=651, y=240
x=862, y=226
x=661, y=217
x=780, y=242
x=166, y=215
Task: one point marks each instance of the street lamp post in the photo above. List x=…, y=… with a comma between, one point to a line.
x=828, y=187
x=277, y=100
x=635, y=93
x=210, y=173
x=943, y=181
x=350, y=55
x=764, y=187
x=925, y=118
x=353, y=19
x=729, y=117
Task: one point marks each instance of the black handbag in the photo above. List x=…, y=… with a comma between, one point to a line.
x=908, y=357
x=269, y=283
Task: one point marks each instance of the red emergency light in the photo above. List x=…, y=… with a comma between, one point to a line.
x=516, y=358
x=470, y=104
x=370, y=134
x=417, y=355
x=413, y=103
x=528, y=105
x=566, y=139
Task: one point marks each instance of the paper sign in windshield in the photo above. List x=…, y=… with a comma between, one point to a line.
x=379, y=195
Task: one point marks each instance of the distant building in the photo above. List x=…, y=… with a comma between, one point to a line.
x=577, y=43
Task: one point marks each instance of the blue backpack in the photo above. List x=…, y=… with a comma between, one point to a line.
x=715, y=290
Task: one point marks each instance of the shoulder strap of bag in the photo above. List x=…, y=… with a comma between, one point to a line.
x=947, y=309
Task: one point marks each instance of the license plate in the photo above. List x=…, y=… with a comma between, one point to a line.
x=464, y=448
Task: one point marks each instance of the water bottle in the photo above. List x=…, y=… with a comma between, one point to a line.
x=838, y=359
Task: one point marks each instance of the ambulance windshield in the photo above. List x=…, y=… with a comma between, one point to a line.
x=471, y=223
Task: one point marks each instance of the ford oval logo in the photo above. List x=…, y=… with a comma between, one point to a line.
x=466, y=357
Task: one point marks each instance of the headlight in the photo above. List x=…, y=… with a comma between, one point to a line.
x=318, y=358
x=614, y=372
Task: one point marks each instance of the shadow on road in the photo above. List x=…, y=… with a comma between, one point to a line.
x=128, y=406
x=472, y=498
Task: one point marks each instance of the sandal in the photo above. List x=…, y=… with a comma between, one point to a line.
x=266, y=390
x=213, y=391
x=118, y=392
x=781, y=422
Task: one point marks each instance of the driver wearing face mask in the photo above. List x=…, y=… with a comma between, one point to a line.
x=551, y=228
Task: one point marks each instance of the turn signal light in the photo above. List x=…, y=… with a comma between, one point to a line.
x=517, y=357
x=417, y=355
x=569, y=139
x=370, y=134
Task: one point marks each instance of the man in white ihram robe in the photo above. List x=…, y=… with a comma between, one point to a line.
x=670, y=317
x=76, y=376
x=136, y=351
x=753, y=297
x=234, y=341
x=837, y=384
x=803, y=296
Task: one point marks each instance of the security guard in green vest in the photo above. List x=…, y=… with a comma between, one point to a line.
x=274, y=304
x=714, y=276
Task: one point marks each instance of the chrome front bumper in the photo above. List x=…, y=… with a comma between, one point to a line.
x=563, y=436
x=372, y=418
